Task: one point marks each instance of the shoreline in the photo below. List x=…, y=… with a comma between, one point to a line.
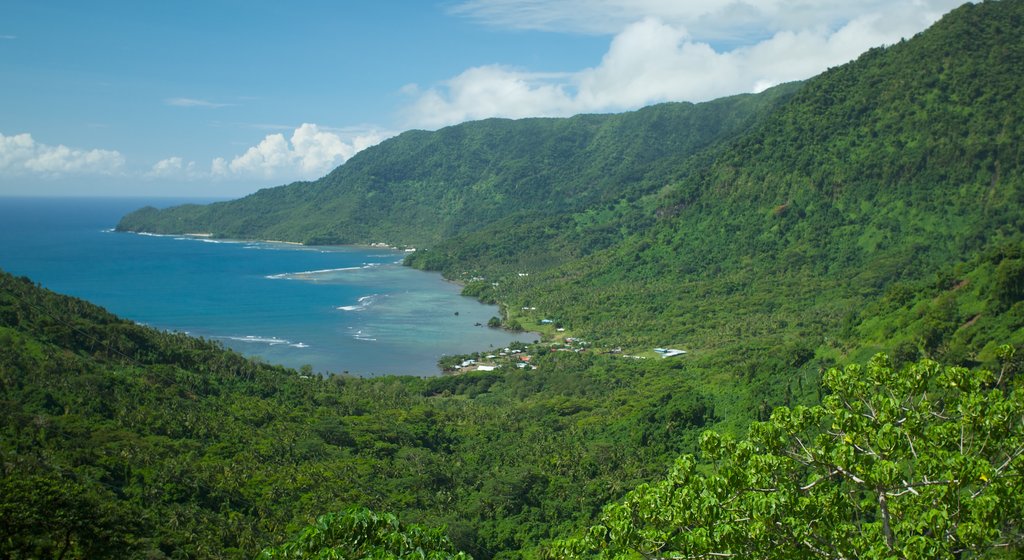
x=360, y=246
x=211, y=236
x=280, y=241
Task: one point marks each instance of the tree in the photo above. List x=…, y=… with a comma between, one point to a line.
x=359, y=533
x=48, y=517
x=1009, y=288
x=923, y=462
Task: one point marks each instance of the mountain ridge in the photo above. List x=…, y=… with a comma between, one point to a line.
x=833, y=188
x=421, y=187
x=886, y=170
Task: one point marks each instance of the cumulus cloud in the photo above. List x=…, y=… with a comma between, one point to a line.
x=175, y=168
x=22, y=155
x=489, y=91
x=665, y=50
x=311, y=152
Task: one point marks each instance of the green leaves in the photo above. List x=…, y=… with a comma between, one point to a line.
x=360, y=534
x=920, y=462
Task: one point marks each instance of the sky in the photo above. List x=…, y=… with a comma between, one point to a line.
x=220, y=98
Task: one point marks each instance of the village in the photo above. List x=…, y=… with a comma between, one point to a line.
x=519, y=355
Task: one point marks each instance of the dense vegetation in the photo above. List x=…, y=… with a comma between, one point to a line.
x=876, y=207
x=123, y=441
x=422, y=187
x=118, y=440
x=894, y=181
x=361, y=533
x=890, y=169
x=752, y=222
x=922, y=462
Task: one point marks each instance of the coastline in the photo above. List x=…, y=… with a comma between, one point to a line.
x=280, y=241
x=214, y=288
x=405, y=250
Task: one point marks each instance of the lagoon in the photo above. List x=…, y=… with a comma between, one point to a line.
x=338, y=309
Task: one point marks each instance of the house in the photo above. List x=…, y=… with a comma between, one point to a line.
x=669, y=352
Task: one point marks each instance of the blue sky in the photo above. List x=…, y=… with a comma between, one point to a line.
x=224, y=97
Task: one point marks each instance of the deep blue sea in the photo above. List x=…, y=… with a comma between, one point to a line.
x=339, y=309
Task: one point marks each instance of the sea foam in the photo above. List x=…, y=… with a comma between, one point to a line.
x=361, y=303
x=268, y=340
x=360, y=336
x=309, y=274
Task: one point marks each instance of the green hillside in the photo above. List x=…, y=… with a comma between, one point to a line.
x=876, y=207
x=737, y=227
x=878, y=176
x=911, y=144
x=121, y=441
x=422, y=187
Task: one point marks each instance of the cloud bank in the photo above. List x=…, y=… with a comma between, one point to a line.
x=22, y=155
x=665, y=51
x=175, y=168
x=310, y=153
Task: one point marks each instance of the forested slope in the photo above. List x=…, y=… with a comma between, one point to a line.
x=882, y=175
x=422, y=187
x=736, y=227
x=878, y=206
x=120, y=441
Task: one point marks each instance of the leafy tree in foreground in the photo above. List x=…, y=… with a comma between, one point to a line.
x=359, y=534
x=924, y=462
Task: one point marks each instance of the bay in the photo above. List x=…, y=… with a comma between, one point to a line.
x=338, y=309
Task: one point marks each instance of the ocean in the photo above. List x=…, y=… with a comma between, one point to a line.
x=338, y=309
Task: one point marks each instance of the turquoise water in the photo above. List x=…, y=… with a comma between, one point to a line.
x=339, y=309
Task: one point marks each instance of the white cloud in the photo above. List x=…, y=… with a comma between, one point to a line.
x=176, y=168
x=169, y=166
x=664, y=50
x=189, y=102
x=311, y=152
x=8, y=37
x=22, y=155
x=488, y=91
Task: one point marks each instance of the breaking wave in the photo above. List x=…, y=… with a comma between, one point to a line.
x=268, y=340
x=361, y=303
x=314, y=274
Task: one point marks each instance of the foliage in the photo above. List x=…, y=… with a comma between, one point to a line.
x=46, y=516
x=737, y=227
x=421, y=188
x=923, y=462
x=878, y=206
x=118, y=437
x=875, y=173
x=360, y=534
